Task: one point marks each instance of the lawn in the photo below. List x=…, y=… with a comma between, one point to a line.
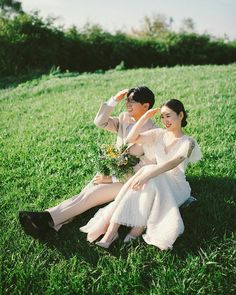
x=48, y=152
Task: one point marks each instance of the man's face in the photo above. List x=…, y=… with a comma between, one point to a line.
x=136, y=109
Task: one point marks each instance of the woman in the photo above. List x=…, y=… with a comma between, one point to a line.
x=151, y=198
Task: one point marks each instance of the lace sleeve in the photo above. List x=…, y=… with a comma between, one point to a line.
x=150, y=136
x=191, y=150
x=194, y=154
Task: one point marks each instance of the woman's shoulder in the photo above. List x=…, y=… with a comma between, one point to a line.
x=155, y=131
x=151, y=136
x=158, y=133
x=187, y=138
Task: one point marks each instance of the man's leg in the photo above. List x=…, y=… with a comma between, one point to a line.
x=37, y=223
x=90, y=197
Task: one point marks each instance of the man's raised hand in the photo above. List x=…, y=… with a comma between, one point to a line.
x=121, y=94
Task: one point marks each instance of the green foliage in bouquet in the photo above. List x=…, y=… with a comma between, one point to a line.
x=116, y=161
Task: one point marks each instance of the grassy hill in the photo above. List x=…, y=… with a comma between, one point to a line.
x=48, y=152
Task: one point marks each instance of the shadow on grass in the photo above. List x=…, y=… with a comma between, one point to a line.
x=205, y=224
x=14, y=81
x=214, y=217
x=70, y=241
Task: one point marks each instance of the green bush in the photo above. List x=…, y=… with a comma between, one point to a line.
x=27, y=43
x=193, y=49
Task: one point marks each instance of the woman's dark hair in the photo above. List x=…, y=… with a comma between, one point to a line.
x=177, y=106
x=143, y=95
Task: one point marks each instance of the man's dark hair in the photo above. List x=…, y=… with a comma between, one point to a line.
x=142, y=94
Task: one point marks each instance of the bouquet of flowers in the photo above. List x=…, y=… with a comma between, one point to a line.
x=116, y=161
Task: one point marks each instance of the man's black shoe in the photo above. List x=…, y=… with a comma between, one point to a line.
x=36, y=224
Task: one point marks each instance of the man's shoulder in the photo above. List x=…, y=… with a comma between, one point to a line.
x=124, y=117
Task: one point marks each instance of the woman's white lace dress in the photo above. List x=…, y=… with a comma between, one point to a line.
x=156, y=205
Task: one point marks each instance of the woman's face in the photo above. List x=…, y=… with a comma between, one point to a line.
x=171, y=119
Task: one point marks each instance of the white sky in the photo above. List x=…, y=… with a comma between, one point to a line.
x=217, y=17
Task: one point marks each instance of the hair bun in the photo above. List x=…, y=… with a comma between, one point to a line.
x=184, y=122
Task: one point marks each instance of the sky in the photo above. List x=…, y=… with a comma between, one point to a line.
x=216, y=17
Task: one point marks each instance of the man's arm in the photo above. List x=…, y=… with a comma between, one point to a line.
x=103, y=119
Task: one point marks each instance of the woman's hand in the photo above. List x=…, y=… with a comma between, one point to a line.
x=141, y=178
x=121, y=94
x=99, y=179
x=150, y=113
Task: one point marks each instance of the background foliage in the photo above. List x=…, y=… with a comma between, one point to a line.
x=29, y=43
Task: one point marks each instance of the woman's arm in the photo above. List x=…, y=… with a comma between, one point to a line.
x=144, y=175
x=134, y=135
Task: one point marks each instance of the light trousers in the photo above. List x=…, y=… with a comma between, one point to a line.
x=91, y=196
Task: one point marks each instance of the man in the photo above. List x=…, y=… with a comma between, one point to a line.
x=102, y=189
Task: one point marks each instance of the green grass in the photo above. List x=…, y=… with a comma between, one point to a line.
x=48, y=153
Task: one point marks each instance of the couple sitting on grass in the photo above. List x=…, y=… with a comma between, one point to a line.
x=149, y=200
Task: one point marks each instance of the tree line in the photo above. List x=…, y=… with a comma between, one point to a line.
x=29, y=43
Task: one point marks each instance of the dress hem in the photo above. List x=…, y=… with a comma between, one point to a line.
x=129, y=224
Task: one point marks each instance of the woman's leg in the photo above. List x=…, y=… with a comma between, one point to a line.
x=136, y=231
x=110, y=233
